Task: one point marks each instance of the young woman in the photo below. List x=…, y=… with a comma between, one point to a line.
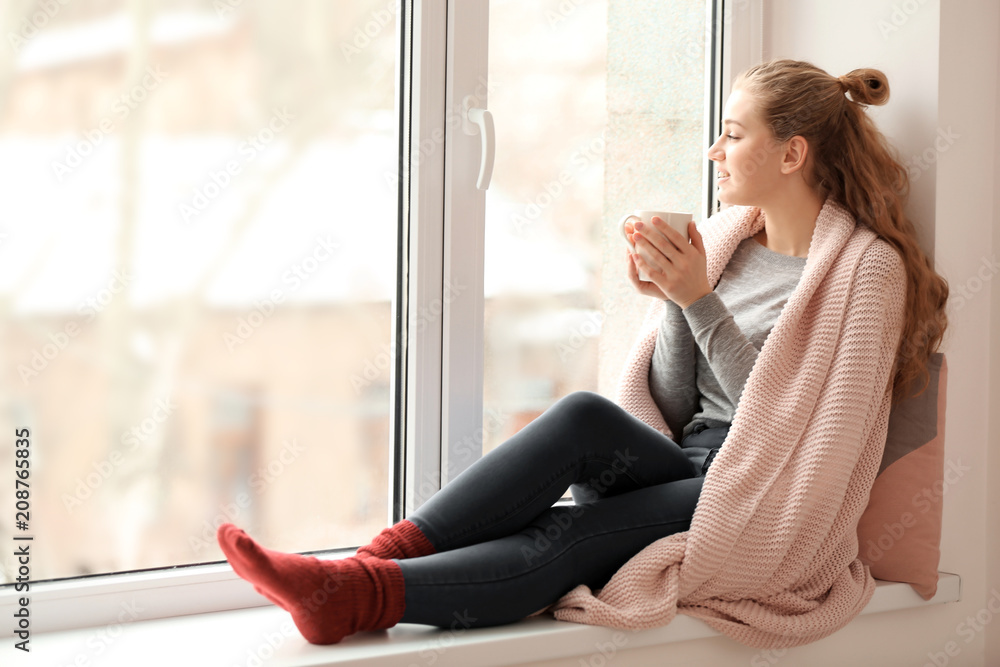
x=490, y=548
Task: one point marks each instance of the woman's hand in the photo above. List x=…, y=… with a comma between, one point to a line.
x=676, y=269
x=644, y=288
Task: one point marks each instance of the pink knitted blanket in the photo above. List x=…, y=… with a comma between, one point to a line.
x=770, y=558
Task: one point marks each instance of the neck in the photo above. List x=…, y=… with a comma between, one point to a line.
x=789, y=223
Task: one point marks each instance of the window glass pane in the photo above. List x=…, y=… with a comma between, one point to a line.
x=197, y=264
x=599, y=110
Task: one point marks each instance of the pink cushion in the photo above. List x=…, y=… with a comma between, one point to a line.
x=899, y=535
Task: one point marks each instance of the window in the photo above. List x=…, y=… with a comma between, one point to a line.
x=249, y=275
x=598, y=113
x=199, y=267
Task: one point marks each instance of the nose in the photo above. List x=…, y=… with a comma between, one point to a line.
x=715, y=152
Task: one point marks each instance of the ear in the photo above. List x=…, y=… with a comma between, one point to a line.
x=796, y=152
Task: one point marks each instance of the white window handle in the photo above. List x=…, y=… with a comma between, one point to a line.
x=484, y=119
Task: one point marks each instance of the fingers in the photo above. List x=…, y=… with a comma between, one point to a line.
x=658, y=256
x=671, y=234
x=633, y=274
x=629, y=229
x=647, y=267
x=656, y=238
x=644, y=288
x=633, y=270
x=643, y=257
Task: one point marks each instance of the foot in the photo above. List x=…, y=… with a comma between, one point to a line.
x=403, y=540
x=328, y=600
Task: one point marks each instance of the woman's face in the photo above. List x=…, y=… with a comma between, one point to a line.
x=747, y=156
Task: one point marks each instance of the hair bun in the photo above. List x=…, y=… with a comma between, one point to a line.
x=866, y=86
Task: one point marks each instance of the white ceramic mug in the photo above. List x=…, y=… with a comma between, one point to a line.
x=675, y=219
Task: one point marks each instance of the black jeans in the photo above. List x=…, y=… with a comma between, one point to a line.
x=504, y=551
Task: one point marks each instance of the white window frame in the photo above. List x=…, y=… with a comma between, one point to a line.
x=445, y=353
x=742, y=25
x=439, y=372
x=440, y=315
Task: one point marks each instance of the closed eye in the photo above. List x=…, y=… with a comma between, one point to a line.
x=732, y=137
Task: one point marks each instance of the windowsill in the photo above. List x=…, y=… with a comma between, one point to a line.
x=265, y=635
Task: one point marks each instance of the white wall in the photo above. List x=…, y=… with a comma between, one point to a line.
x=966, y=221
x=993, y=479
x=942, y=64
x=845, y=35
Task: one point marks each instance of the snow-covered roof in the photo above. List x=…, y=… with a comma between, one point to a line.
x=53, y=46
x=61, y=238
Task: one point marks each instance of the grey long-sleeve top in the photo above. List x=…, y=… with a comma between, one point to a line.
x=705, y=352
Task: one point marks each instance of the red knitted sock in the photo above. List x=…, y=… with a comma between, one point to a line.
x=403, y=540
x=328, y=600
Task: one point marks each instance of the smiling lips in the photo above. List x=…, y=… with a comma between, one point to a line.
x=722, y=176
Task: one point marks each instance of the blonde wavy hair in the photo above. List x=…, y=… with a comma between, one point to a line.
x=855, y=165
